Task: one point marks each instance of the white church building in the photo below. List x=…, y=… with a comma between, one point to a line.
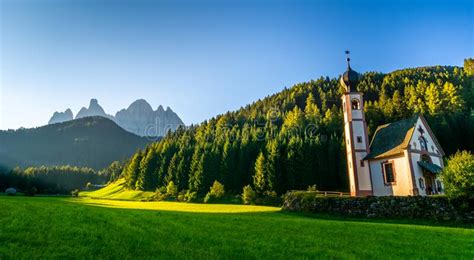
x=402, y=159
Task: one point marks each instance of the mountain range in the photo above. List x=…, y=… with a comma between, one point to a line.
x=139, y=118
x=90, y=141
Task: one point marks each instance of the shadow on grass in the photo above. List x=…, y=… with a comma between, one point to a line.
x=266, y=211
x=397, y=221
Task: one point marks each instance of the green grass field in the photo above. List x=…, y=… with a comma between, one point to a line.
x=45, y=227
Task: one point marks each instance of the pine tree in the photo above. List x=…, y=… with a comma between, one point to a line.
x=433, y=99
x=147, y=178
x=273, y=167
x=259, y=176
x=311, y=110
x=452, y=99
x=133, y=170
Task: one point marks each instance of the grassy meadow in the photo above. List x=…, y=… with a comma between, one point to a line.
x=58, y=227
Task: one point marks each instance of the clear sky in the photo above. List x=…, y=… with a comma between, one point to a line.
x=203, y=58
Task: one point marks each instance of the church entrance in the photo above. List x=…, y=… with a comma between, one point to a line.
x=430, y=183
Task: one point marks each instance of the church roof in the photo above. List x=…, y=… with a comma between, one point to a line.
x=431, y=167
x=350, y=78
x=391, y=139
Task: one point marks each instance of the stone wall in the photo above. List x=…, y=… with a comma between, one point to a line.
x=438, y=208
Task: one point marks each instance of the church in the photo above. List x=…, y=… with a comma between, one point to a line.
x=402, y=159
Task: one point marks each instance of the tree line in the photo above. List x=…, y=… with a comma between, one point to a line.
x=56, y=179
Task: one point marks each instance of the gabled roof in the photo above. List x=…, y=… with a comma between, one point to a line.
x=392, y=139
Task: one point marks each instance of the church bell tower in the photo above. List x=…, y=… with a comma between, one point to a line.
x=355, y=132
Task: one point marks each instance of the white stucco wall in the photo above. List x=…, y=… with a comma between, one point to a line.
x=415, y=143
x=352, y=119
x=434, y=154
x=402, y=186
x=363, y=172
x=358, y=129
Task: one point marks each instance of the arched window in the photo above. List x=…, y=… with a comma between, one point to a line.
x=355, y=104
x=425, y=158
x=439, y=186
x=423, y=143
x=422, y=183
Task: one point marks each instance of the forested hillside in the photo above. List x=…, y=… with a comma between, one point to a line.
x=87, y=142
x=294, y=138
x=51, y=180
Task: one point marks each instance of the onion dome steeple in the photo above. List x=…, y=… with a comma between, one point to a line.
x=350, y=78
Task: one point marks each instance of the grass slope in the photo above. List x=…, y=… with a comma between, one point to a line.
x=117, y=191
x=87, y=228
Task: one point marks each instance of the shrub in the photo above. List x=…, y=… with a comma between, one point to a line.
x=10, y=191
x=171, y=190
x=249, y=196
x=215, y=193
x=190, y=196
x=181, y=196
x=438, y=208
x=160, y=193
x=268, y=198
x=312, y=188
x=75, y=193
x=31, y=191
x=458, y=175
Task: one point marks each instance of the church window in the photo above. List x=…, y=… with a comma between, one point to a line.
x=423, y=143
x=425, y=158
x=439, y=187
x=359, y=139
x=422, y=183
x=361, y=163
x=355, y=104
x=388, y=173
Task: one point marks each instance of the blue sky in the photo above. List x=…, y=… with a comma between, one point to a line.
x=203, y=58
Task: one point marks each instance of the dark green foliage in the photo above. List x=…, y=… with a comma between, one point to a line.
x=90, y=142
x=50, y=180
x=113, y=171
x=438, y=208
x=294, y=138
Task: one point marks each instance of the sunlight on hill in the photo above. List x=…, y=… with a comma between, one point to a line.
x=117, y=191
x=175, y=206
x=116, y=195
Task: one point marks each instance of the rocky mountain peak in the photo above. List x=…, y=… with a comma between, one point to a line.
x=160, y=109
x=140, y=106
x=139, y=118
x=93, y=103
x=59, y=117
